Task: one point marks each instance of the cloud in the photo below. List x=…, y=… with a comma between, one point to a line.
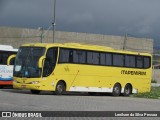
x=115, y=17
x=2, y=5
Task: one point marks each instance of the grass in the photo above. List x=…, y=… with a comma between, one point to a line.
x=153, y=94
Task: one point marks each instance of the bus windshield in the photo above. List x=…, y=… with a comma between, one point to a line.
x=26, y=64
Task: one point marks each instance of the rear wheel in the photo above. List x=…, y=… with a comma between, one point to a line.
x=60, y=88
x=127, y=90
x=35, y=91
x=116, y=90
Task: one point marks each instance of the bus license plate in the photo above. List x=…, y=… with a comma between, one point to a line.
x=23, y=86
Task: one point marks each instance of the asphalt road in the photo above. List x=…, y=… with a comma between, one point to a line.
x=23, y=100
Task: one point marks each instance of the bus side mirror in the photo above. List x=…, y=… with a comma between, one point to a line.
x=40, y=62
x=11, y=60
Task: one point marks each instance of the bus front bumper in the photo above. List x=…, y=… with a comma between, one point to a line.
x=32, y=86
x=6, y=82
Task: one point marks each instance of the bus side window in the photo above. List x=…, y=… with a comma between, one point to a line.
x=50, y=61
x=102, y=59
x=118, y=60
x=82, y=56
x=89, y=57
x=130, y=61
x=79, y=56
x=70, y=56
x=146, y=62
x=12, y=61
x=64, y=56
x=139, y=62
x=109, y=59
x=75, y=56
x=95, y=57
x=1, y=59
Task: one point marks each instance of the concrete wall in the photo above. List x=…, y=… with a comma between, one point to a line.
x=18, y=36
x=156, y=75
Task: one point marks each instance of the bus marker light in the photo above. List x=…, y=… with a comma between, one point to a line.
x=35, y=82
x=23, y=86
x=37, y=86
x=52, y=83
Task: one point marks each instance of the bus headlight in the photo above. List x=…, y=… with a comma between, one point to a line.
x=35, y=82
x=52, y=83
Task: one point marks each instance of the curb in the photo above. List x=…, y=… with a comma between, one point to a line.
x=155, y=84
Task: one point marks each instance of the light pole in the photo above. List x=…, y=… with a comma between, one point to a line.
x=125, y=40
x=41, y=33
x=54, y=20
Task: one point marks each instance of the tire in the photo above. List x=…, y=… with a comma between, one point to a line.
x=35, y=91
x=127, y=90
x=1, y=86
x=116, y=90
x=60, y=88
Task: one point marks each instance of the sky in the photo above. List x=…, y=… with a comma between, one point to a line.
x=137, y=18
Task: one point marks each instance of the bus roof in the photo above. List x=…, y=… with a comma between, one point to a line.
x=69, y=45
x=7, y=48
x=84, y=46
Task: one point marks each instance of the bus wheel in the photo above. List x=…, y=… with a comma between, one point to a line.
x=127, y=90
x=116, y=90
x=1, y=86
x=60, y=88
x=35, y=91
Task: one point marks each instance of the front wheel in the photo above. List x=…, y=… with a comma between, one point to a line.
x=60, y=88
x=1, y=86
x=35, y=91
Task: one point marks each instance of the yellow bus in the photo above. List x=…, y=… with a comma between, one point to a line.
x=81, y=68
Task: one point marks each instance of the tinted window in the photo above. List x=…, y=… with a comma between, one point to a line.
x=139, y=62
x=95, y=58
x=146, y=62
x=79, y=56
x=89, y=58
x=12, y=61
x=82, y=56
x=130, y=61
x=118, y=60
x=92, y=57
x=50, y=61
x=102, y=58
x=52, y=55
x=108, y=59
x=66, y=55
x=4, y=56
x=75, y=56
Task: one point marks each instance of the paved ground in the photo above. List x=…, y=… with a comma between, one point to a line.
x=23, y=100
